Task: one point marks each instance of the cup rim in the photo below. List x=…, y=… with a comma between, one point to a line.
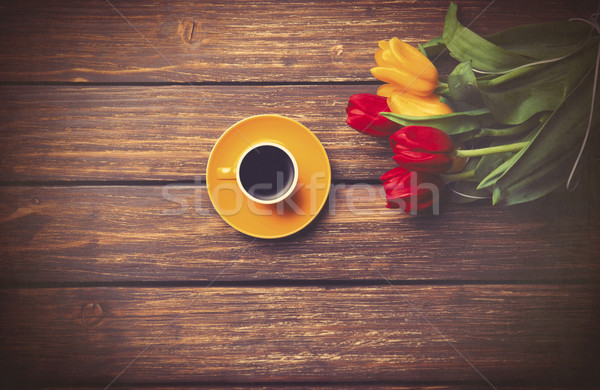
x=279, y=198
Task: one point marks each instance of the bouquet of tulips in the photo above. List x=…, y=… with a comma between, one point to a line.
x=509, y=123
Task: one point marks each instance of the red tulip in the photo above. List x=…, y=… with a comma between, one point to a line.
x=411, y=190
x=363, y=115
x=422, y=148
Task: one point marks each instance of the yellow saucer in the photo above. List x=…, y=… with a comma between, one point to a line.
x=277, y=220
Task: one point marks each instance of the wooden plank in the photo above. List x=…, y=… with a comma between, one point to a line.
x=325, y=385
x=236, y=40
x=371, y=385
x=512, y=334
x=164, y=133
x=120, y=133
x=172, y=233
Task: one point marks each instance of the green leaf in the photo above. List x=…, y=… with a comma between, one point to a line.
x=520, y=94
x=494, y=166
x=462, y=85
x=433, y=48
x=496, y=173
x=537, y=82
x=510, y=131
x=543, y=41
x=545, y=163
x=465, y=45
x=534, y=185
x=487, y=165
x=514, y=47
x=453, y=123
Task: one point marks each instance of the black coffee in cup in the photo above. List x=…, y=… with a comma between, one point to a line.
x=267, y=172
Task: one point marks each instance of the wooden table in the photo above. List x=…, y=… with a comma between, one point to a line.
x=117, y=272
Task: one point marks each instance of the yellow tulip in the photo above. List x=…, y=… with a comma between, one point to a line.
x=405, y=67
x=385, y=90
x=405, y=103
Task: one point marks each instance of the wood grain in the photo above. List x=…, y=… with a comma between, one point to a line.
x=110, y=269
x=136, y=133
x=164, y=133
x=512, y=334
x=240, y=41
x=172, y=233
x=326, y=385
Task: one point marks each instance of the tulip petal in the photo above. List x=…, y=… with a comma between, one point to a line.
x=422, y=138
x=409, y=190
x=410, y=57
x=422, y=148
x=392, y=205
x=380, y=60
x=404, y=80
x=384, y=45
x=423, y=162
x=398, y=171
x=364, y=115
x=405, y=103
x=385, y=90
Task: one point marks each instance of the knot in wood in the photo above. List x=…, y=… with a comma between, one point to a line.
x=186, y=30
x=91, y=314
x=336, y=53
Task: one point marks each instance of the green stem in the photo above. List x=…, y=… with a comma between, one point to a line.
x=502, y=78
x=528, y=125
x=508, y=131
x=501, y=132
x=458, y=176
x=442, y=88
x=491, y=150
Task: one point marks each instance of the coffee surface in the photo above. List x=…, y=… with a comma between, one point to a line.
x=266, y=172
